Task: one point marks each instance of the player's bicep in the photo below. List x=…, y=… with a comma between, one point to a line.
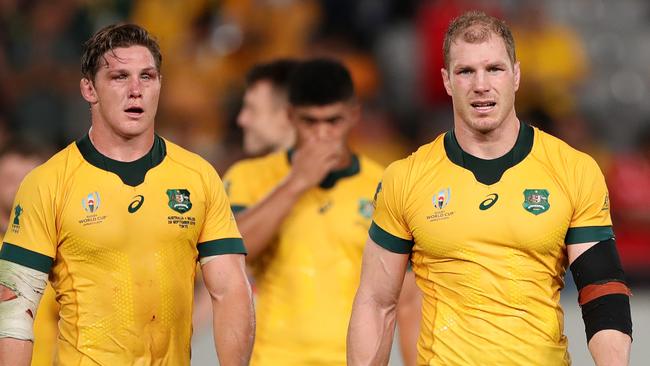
x=602, y=291
x=382, y=274
x=222, y=272
x=575, y=250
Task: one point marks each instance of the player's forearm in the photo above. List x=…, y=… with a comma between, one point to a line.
x=259, y=224
x=15, y=352
x=610, y=347
x=234, y=326
x=370, y=333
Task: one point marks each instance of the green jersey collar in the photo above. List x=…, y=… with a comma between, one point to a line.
x=131, y=173
x=332, y=177
x=490, y=171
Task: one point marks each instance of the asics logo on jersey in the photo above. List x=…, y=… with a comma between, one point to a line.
x=324, y=208
x=136, y=203
x=489, y=201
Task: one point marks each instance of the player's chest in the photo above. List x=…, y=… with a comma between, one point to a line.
x=526, y=211
x=336, y=215
x=111, y=214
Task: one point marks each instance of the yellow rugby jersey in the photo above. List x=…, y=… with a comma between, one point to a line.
x=122, y=256
x=490, y=258
x=307, y=278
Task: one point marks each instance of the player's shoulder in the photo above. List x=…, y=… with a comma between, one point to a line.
x=186, y=159
x=422, y=159
x=259, y=164
x=59, y=166
x=557, y=152
x=369, y=166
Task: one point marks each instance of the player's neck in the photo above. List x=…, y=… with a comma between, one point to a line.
x=287, y=143
x=119, y=148
x=488, y=145
x=345, y=160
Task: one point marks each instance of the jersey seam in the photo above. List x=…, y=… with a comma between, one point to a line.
x=76, y=303
x=59, y=208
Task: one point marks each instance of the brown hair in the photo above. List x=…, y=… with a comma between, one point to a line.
x=116, y=36
x=476, y=27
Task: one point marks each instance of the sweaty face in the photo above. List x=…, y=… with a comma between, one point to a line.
x=482, y=82
x=124, y=94
x=331, y=122
x=264, y=120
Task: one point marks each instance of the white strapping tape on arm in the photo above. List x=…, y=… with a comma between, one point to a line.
x=28, y=285
x=205, y=260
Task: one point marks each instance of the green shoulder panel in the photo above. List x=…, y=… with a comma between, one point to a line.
x=587, y=234
x=221, y=246
x=14, y=253
x=389, y=241
x=237, y=208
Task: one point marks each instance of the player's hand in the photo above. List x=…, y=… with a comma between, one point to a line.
x=313, y=161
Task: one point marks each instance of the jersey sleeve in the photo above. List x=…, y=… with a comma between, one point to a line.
x=388, y=228
x=31, y=237
x=238, y=187
x=591, y=220
x=219, y=234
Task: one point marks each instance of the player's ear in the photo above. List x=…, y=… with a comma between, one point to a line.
x=88, y=90
x=517, y=74
x=355, y=112
x=445, y=80
x=291, y=114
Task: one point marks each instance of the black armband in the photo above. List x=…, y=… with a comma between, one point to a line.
x=603, y=293
x=607, y=312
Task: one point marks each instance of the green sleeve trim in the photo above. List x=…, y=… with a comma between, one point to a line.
x=577, y=235
x=237, y=208
x=389, y=241
x=25, y=257
x=221, y=246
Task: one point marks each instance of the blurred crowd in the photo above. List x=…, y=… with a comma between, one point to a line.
x=581, y=78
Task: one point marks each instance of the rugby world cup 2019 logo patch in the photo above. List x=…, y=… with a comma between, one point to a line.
x=442, y=198
x=179, y=200
x=91, y=204
x=441, y=201
x=15, y=226
x=536, y=201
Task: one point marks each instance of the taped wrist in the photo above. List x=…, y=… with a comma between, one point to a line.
x=602, y=291
x=17, y=312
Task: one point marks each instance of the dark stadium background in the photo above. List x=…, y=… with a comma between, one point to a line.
x=585, y=78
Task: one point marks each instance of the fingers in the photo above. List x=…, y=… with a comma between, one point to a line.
x=314, y=160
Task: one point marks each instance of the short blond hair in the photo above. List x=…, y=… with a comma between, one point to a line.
x=476, y=27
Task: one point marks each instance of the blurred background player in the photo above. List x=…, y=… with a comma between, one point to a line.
x=264, y=120
x=264, y=117
x=125, y=294
x=16, y=160
x=303, y=218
